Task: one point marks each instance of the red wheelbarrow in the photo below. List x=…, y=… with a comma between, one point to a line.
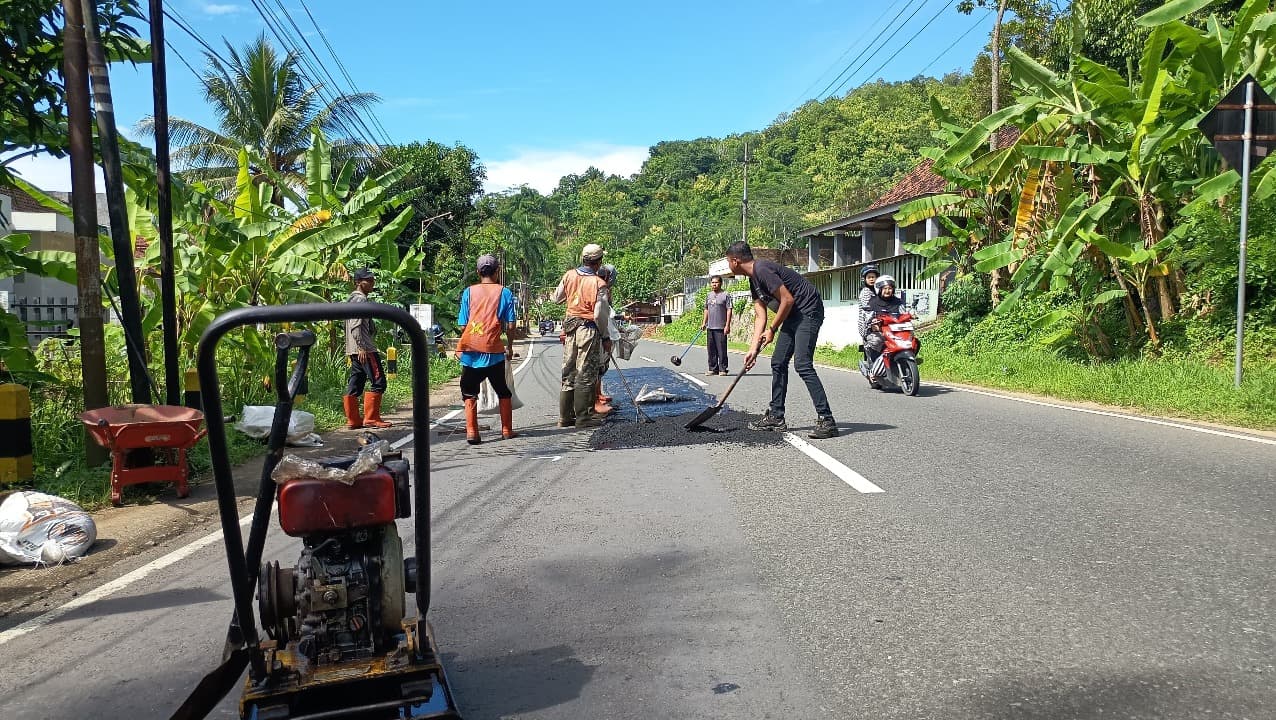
x=148, y=443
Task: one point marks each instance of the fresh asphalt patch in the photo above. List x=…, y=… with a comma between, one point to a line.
x=727, y=427
x=690, y=398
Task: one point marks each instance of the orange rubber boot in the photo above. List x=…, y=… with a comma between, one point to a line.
x=372, y=411
x=507, y=419
x=351, y=405
x=471, y=422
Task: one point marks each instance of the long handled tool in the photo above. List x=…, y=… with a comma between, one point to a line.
x=713, y=409
x=639, y=415
x=677, y=359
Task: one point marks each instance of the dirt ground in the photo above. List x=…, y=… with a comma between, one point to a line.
x=132, y=535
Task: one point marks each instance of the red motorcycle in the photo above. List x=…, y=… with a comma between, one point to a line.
x=897, y=361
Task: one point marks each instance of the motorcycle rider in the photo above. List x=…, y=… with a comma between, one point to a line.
x=884, y=301
x=869, y=276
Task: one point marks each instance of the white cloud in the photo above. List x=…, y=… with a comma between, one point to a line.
x=221, y=9
x=51, y=174
x=542, y=169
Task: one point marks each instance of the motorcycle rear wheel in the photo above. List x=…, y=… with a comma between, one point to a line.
x=909, y=380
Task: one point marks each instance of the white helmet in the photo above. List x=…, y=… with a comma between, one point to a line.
x=883, y=281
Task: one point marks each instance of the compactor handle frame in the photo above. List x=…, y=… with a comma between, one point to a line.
x=240, y=575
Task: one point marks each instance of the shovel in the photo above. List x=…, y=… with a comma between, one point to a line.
x=713, y=409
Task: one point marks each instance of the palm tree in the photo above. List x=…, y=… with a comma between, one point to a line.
x=263, y=103
x=528, y=247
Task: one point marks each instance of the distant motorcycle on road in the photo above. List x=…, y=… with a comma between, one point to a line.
x=896, y=364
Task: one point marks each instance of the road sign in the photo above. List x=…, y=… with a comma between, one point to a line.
x=1250, y=110
x=424, y=316
x=1225, y=125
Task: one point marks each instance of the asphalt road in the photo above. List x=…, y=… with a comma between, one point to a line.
x=1019, y=561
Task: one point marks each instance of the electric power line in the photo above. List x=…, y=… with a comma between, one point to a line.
x=342, y=66
x=337, y=89
x=848, y=72
x=910, y=41
x=948, y=49
x=852, y=46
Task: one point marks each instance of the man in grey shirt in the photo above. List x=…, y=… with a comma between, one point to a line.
x=365, y=362
x=717, y=320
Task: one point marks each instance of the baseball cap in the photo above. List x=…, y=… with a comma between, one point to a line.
x=487, y=263
x=592, y=251
x=363, y=274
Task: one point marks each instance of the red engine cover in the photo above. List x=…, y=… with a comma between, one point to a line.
x=308, y=506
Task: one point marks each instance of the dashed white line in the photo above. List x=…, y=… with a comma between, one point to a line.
x=644, y=357
x=695, y=380
x=847, y=475
x=115, y=585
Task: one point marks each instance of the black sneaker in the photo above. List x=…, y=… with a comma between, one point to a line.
x=769, y=423
x=824, y=428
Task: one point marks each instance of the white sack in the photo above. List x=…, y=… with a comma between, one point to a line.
x=45, y=529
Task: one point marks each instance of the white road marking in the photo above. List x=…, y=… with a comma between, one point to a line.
x=116, y=585
x=1123, y=416
x=1074, y=408
x=695, y=380
x=551, y=458
x=849, y=476
x=644, y=357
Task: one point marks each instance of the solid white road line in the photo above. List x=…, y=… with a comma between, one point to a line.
x=1123, y=416
x=695, y=380
x=849, y=476
x=644, y=357
x=1073, y=408
x=116, y=585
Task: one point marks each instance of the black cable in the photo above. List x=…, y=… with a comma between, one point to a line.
x=342, y=67
x=953, y=45
x=870, y=48
x=852, y=46
x=910, y=42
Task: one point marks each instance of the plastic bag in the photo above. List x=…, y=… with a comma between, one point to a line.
x=44, y=529
x=655, y=395
x=629, y=338
x=489, y=403
x=366, y=461
x=255, y=422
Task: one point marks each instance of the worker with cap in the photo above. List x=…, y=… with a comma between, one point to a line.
x=487, y=313
x=585, y=328
x=602, y=401
x=365, y=362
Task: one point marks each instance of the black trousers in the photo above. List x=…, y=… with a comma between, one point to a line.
x=472, y=380
x=796, y=341
x=717, y=350
x=361, y=373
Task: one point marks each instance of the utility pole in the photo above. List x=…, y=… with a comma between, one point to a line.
x=121, y=239
x=164, y=206
x=88, y=262
x=744, y=212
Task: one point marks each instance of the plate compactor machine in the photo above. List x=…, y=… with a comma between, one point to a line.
x=339, y=638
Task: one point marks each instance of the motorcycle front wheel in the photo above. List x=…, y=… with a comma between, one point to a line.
x=909, y=381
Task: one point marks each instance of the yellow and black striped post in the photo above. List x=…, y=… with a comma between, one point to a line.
x=392, y=362
x=15, y=435
x=193, y=398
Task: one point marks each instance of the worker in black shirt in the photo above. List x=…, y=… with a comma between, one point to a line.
x=799, y=312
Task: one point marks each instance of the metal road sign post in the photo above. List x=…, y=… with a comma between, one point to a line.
x=1246, y=108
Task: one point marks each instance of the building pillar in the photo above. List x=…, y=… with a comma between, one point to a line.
x=813, y=254
x=899, y=239
x=866, y=244
x=932, y=228
x=839, y=250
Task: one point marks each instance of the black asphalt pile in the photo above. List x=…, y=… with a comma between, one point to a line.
x=727, y=426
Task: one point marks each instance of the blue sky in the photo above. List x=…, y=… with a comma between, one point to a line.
x=539, y=90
